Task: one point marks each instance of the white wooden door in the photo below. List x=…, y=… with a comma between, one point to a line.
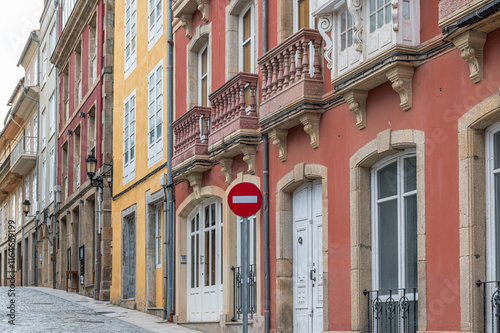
x=205, y=262
x=307, y=258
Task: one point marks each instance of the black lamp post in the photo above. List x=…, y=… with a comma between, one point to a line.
x=26, y=207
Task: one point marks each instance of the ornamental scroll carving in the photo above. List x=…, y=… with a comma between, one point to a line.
x=395, y=15
x=325, y=27
x=354, y=7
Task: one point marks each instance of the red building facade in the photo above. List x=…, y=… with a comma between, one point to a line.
x=381, y=194
x=84, y=59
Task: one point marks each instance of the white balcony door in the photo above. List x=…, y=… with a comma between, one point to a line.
x=204, y=262
x=307, y=258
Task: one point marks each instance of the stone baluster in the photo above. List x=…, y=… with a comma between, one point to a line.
x=299, y=60
x=197, y=128
x=241, y=93
x=286, y=68
x=293, y=70
x=207, y=125
x=274, y=63
x=280, y=72
x=264, y=80
x=225, y=110
x=305, y=61
x=317, y=62
x=269, y=79
x=253, y=103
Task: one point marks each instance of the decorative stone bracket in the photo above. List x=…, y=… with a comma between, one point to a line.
x=195, y=182
x=471, y=44
x=249, y=152
x=401, y=77
x=357, y=104
x=227, y=164
x=311, y=127
x=184, y=9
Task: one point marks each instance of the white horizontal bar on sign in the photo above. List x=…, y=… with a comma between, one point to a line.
x=245, y=199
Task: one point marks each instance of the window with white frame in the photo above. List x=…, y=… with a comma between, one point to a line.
x=5, y=220
x=155, y=114
x=203, y=76
x=52, y=39
x=44, y=65
x=247, y=40
x=34, y=186
x=43, y=128
x=35, y=131
x=155, y=20
x=19, y=205
x=35, y=72
x=493, y=203
x=78, y=171
x=130, y=36
x=44, y=177
x=129, y=138
x=27, y=190
x=1, y=224
x=394, y=224
x=52, y=114
x=13, y=207
x=52, y=159
x=158, y=235
x=360, y=32
x=67, y=8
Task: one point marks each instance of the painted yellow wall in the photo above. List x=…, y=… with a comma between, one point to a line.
x=138, y=80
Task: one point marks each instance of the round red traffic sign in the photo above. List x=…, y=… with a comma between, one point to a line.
x=245, y=199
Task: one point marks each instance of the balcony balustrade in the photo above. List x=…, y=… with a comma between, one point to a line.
x=292, y=88
x=23, y=156
x=191, y=144
x=234, y=128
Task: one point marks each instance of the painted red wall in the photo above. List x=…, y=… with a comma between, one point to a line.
x=442, y=92
x=94, y=97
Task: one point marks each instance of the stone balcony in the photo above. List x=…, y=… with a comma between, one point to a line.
x=234, y=127
x=23, y=156
x=292, y=88
x=190, y=158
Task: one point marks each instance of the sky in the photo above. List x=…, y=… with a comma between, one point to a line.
x=17, y=20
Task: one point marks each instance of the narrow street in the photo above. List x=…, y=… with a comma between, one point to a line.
x=48, y=310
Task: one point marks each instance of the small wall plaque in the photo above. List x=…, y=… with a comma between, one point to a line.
x=184, y=259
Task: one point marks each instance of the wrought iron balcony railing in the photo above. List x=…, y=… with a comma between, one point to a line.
x=392, y=311
x=491, y=305
x=252, y=292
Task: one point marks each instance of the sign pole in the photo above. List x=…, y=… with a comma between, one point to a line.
x=244, y=273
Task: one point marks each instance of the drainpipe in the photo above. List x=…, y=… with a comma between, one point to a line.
x=164, y=263
x=169, y=223
x=265, y=162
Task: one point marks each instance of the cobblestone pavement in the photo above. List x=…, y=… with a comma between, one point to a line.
x=48, y=310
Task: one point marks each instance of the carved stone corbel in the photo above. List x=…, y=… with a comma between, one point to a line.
x=354, y=7
x=325, y=25
x=226, y=164
x=195, y=182
x=278, y=135
x=395, y=15
x=471, y=44
x=249, y=157
x=311, y=127
x=187, y=24
x=204, y=8
x=401, y=78
x=357, y=104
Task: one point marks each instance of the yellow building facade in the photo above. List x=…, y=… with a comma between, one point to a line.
x=139, y=154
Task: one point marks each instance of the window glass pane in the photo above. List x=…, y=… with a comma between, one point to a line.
x=221, y=256
x=247, y=58
x=406, y=9
x=349, y=37
x=496, y=147
x=303, y=14
x=204, y=92
x=207, y=216
x=387, y=181
x=380, y=18
x=497, y=225
x=197, y=260
x=388, y=14
x=343, y=21
x=192, y=225
x=411, y=241
x=151, y=12
x=380, y=3
x=410, y=174
x=247, y=25
x=388, y=245
x=212, y=259
x=193, y=261
x=204, y=62
x=207, y=257
x=373, y=23
x=343, y=42
x=372, y=6
x=213, y=214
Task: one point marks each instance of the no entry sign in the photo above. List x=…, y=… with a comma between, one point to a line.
x=245, y=199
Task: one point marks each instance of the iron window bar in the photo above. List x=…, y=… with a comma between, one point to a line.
x=494, y=303
x=392, y=310
x=252, y=291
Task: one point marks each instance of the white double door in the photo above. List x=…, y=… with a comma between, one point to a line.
x=307, y=258
x=205, y=261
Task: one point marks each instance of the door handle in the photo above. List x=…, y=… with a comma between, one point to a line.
x=312, y=274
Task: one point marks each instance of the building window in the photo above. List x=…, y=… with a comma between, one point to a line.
x=493, y=202
x=44, y=177
x=246, y=22
x=67, y=8
x=346, y=30
x=155, y=21
x=35, y=198
x=158, y=236
x=155, y=115
x=43, y=128
x=203, y=76
x=52, y=39
x=78, y=77
x=52, y=114
x=5, y=220
x=93, y=39
x=394, y=225
x=13, y=208
x=44, y=65
x=20, y=206
x=130, y=36
x=129, y=139
x=27, y=190
x=35, y=72
x=380, y=13
x=52, y=159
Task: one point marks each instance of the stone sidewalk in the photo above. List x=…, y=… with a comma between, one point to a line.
x=143, y=320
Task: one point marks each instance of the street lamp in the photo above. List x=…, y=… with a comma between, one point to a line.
x=91, y=166
x=26, y=207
